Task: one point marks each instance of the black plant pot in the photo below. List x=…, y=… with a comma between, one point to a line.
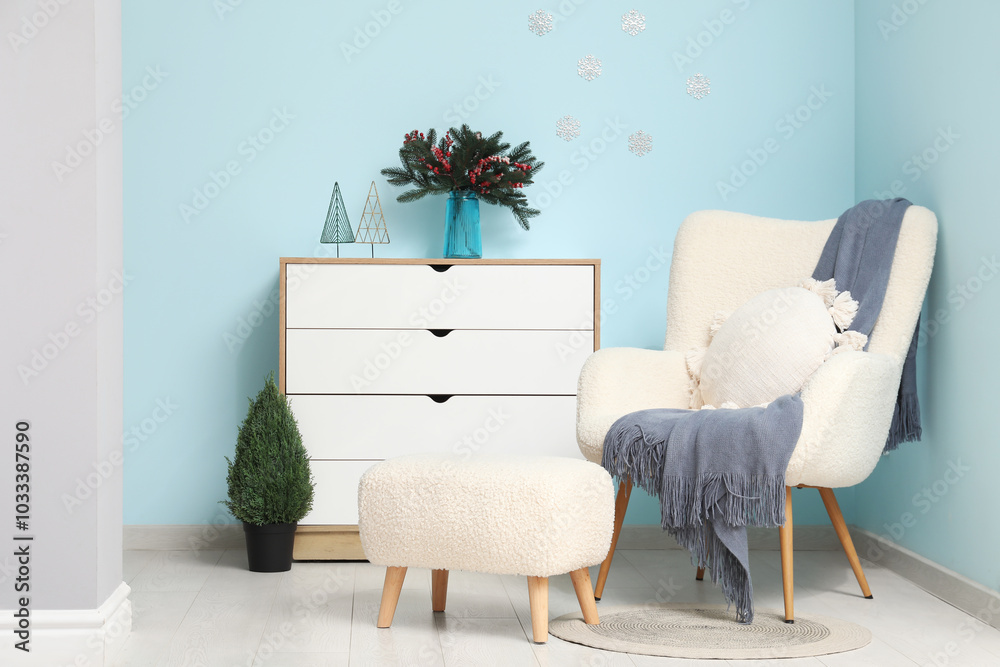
x=269, y=547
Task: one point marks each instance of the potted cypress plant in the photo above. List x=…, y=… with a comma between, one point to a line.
x=270, y=483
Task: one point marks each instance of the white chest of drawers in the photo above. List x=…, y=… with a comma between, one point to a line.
x=381, y=358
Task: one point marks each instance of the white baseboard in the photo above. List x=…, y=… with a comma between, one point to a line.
x=807, y=538
x=183, y=537
x=71, y=636
x=969, y=596
x=230, y=536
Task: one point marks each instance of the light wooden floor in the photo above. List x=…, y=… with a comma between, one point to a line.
x=204, y=608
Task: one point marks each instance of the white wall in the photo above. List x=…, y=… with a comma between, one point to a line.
x=60, y=246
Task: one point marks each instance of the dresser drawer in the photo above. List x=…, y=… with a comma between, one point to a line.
x=379, y=427
x=353, y=361
x=391, y=296
x=335, y=498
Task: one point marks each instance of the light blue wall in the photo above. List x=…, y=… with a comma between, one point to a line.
x=922, y=76
x=220, y=78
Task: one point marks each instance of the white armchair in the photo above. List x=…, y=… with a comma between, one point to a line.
x=720, y=261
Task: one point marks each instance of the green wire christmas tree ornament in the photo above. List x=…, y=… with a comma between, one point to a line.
x=337, y=228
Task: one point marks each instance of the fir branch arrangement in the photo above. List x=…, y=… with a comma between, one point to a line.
x=466, y=160
x=269, y=477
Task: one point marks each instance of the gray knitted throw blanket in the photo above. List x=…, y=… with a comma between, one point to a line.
x=718, y=471
x=858, y=255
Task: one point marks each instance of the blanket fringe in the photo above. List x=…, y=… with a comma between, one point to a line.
x=709, y=552
x=688, y=506
x=905, y=425
x=630, y=455
x=737, y=499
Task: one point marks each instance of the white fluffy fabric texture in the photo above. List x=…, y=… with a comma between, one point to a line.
x=537, y=516
x=766, y=349
x=722, y=259
x=618, y=380
x=848, y=406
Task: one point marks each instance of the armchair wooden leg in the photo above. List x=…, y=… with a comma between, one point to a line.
x=390, y=595
x=585, y=594
x=538, y=601
x=833, y=509
x=700, y=574
x=787, y=568
x=439, y=589
x=621, y=504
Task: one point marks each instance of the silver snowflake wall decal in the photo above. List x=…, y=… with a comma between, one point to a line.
x=567, y=128
x=698, y=86
x=633, y=23
x=589, y=68
x=640, y=143
x=540, y=22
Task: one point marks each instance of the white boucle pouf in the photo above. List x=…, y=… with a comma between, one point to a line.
x=534, y=516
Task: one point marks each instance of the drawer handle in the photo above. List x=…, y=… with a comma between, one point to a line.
x=440, y=333
x=439, y=398
x=441, y=268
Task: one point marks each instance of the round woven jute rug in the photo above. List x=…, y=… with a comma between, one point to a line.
x=710, y=631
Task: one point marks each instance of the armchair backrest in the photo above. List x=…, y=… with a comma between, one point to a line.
x=721, y=259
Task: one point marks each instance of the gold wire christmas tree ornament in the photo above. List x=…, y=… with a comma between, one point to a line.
x=337, y=228
x=372, y=227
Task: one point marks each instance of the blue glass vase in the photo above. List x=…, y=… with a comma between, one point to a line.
x=461, y=226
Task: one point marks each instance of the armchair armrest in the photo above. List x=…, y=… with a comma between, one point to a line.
x=848, y=405
x=618, y=380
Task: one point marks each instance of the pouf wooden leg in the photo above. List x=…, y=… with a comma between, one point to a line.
x=538, y=600
x=585, y=594
x=439, y=589
x=390, y=595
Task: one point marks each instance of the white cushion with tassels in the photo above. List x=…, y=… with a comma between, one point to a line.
x=771, y=345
